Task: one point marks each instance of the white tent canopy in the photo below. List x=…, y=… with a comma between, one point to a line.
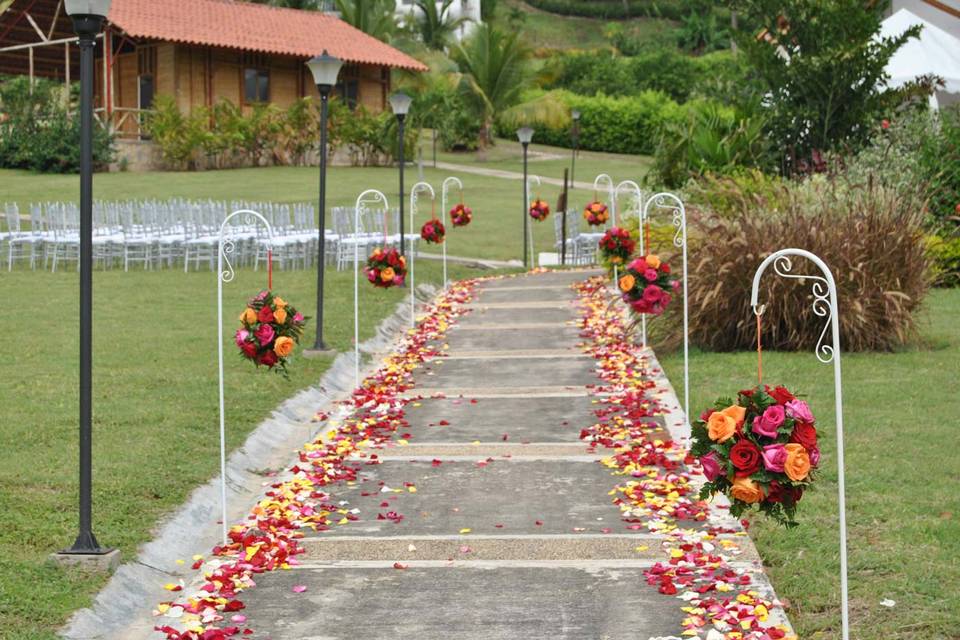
x=934, y=52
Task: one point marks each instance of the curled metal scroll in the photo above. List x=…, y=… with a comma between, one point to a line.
x=821, y=305
x=228, y=246
x=674, y=204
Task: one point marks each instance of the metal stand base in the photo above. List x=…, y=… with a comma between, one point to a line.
x=104, y=561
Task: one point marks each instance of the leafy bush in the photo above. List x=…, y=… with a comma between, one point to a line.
x=727, y=195
x=617, y=125
x=39, y=131
x=703, y=27
x=678, y=75
x=945, y=252
x=611, y=9
x=711, y=138
x=872, y=239
x=940, y=159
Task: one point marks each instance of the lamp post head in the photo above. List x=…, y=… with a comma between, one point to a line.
x=576, y=115
x=400, y=103
x=98, y=8
x=325, y=69
x=525, y=135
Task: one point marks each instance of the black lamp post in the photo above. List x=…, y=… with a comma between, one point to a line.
x=88, y=19
x=325, y=69
x=575, y=134
x=400, y=103
x=525, y=135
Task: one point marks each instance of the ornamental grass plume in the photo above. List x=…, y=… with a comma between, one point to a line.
x=871, y=239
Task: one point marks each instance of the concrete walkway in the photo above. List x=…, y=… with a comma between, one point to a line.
x=508, y=528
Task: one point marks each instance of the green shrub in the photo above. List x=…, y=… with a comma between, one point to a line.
x=180, y=138
x=611, y=9
x=616, y=125
x=727, y=195
x=39, y=130
x=871, y=238
x=711, y=138
x=946, y=255
x=940, y=160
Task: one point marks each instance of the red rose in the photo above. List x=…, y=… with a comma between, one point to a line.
x=249, y=349
x=775, y=492
x=781, y=395
x=706, y=414
x=664, y=267
x=745, y=456
x=885, y=124
x=268, y=359
x=265, y=314
x=392, y=259
x=804, y=434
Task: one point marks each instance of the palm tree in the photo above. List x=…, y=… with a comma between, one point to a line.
x=495, y=70
x=435, y=24
x=373, y=17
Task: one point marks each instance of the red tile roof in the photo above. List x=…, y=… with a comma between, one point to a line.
x=254, y=27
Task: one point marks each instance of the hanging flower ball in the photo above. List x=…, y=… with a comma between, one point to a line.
x=647, y=285
x=461, y=215
x=433, y=231
x=386, y=268
x=759, y=451
x=596, y=214
x=539, y=210
x=270, y=329
x=617, y=245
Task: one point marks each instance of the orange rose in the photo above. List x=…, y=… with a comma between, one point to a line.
x=721, y=427
x=388, y=274
x=797, y=466
x=735, y=412
x=249, y=316
x=747, y=490
x=653, y=261
x=627, y=282
x=283, y=346
x=280, y=315
x=403, y=261
x=279, y=302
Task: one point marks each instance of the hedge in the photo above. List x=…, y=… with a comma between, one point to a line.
x=612, y=9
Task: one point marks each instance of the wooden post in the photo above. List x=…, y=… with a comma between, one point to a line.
x=66, y=75
x=30, y=56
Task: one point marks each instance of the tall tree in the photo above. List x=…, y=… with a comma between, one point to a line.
x=495, y=70
x=374, y=17
x=821, y=67
x=435, y=23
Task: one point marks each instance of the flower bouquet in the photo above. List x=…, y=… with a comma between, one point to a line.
x=539, y=210
x=271, y=329
x=617, y=245
x=596, y=214
x=461, y=215
x=386, y=268
x=761, y=450
x=646, y=285
x=433, y=231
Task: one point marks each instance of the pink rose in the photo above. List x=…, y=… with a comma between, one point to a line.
x=262, y=295
x=676, y=285
x=769, y=422
x=814, y=454
x=298, y=317
x=652, y=293
x=650, y=274
x=398, y=280
x=711, y=466
x=371, y=275
x=798, y=410
x=241, y=337
x=774, y=457
x=639, y=265
x=265, y=334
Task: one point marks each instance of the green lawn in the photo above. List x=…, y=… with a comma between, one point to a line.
x=902, y=467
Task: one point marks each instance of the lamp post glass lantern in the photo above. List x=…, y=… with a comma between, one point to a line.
x=525, y=135
x=325, y=69
x=400, y=104
x=88, y=19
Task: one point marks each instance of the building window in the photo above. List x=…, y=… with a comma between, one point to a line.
x=256, y=86
x=348, y=89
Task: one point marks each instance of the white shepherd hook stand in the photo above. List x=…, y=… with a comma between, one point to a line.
x=444, y=208
x=630, y=188
x=370, y=197
x=824, y=305
x=605, y=181
x=531, y=179
x=227, y=246
x=674, y=204
x=414, y=198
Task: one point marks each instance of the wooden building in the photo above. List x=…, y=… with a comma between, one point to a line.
x=200, y=51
